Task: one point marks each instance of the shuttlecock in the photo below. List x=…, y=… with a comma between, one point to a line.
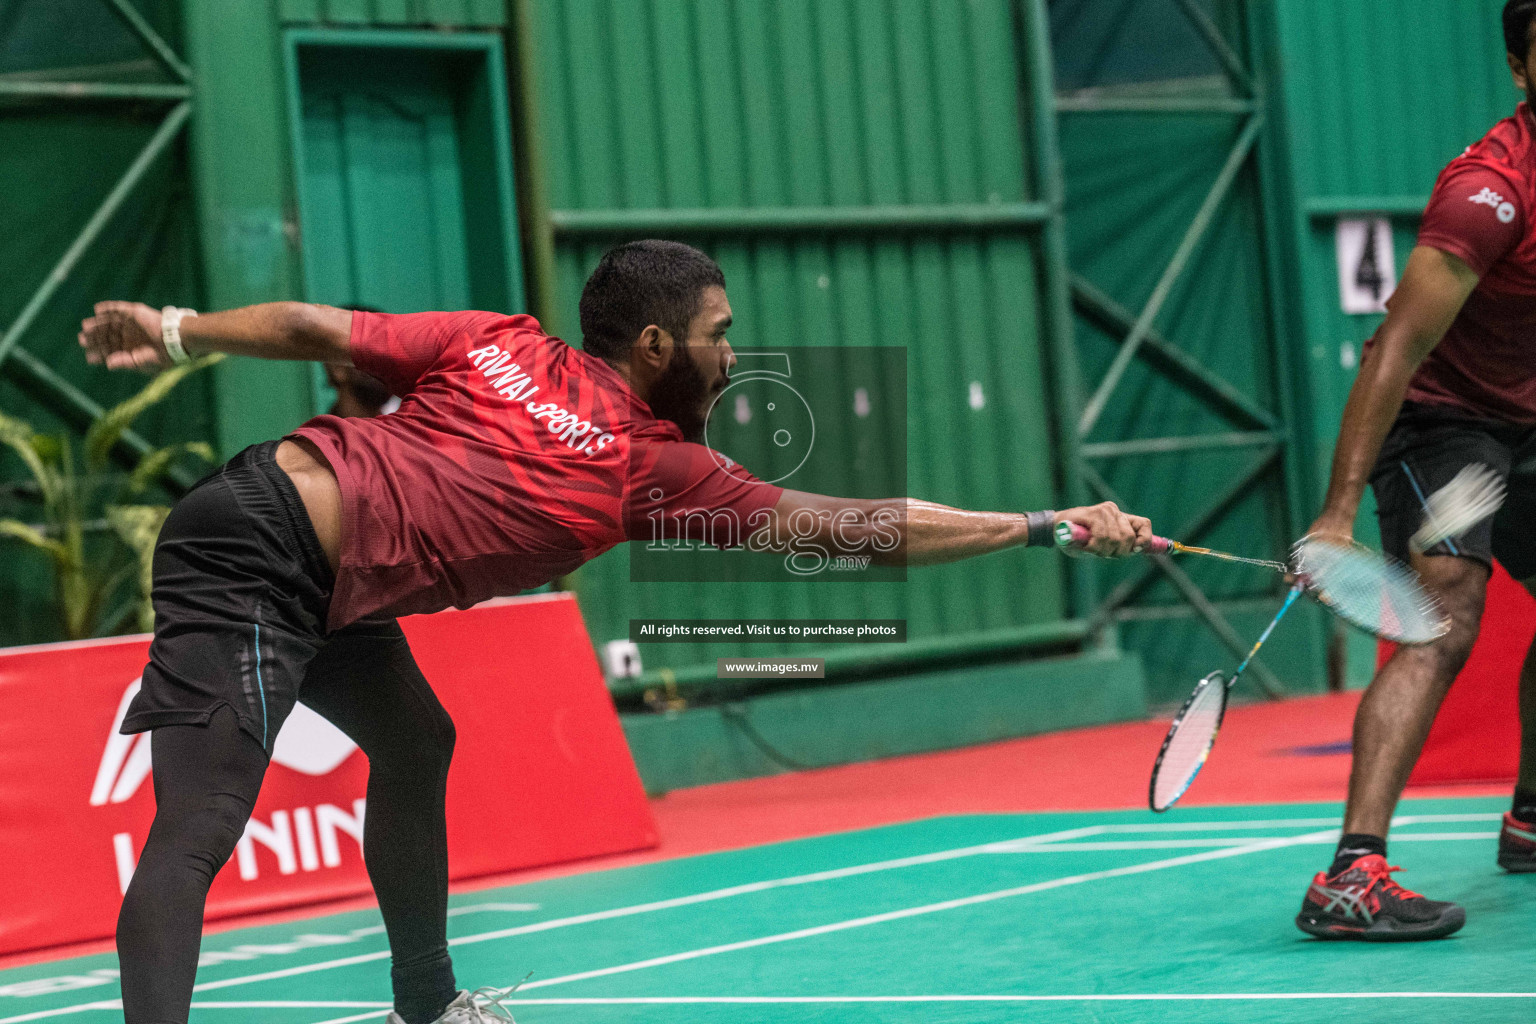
x=1473, y=495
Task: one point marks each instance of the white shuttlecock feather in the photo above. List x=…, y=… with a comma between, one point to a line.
x=1473, y=495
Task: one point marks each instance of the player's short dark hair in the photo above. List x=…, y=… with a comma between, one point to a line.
x=642, y=283
x=1517, y=26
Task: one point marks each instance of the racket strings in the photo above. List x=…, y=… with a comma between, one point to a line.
x=1368, y=590
x=1189, y=742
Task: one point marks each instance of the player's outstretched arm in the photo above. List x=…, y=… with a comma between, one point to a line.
x=127, y=335
x=909, y=531
x=1434, y=287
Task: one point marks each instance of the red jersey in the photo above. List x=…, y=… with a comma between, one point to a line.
x=1483, y=210
x=512, y=459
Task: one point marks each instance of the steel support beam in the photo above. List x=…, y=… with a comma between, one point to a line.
x=1171, y=273
x=885, y=659
x=1191, y=592
x=801, y=219
x=1089, y=103
x=93, y=90
x=1184, y=369
x=79, y=410
x=1192, y=443
x=1169, y=612
x=1189, y=532
x=1230, y=62
x=1327, y=207
x=152, y=39
x=38, y=379
x=1061, y=346
x=164, y=135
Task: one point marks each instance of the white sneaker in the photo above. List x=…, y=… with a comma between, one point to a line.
x=482, y=1006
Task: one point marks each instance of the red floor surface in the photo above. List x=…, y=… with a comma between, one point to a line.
x=1267, y=753
x=1289, y=752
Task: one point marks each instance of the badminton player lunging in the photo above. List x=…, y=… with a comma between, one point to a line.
x=512, y=459
x=1447, y=381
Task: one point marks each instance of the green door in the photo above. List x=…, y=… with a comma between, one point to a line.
x=383, y=215
x=402, y=161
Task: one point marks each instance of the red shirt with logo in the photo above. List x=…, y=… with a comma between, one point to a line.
x=1483, y=210
x=512, y=459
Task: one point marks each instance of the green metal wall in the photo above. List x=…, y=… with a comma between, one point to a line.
x=60, y=157
x=246, y=198
x=1373, y=105
x=736, y=125
x=443, y=13
x=1163, y=139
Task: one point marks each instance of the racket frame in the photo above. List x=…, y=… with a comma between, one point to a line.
x=1216, y=678
x=1230, y=681
x=1431, y=604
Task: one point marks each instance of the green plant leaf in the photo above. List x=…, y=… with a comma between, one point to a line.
x=105, y=432
x=33, y=536
x=154, y=465
x=138, y=526
x=19, y=436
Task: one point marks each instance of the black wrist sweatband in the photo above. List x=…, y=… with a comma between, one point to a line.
x=1042, y=529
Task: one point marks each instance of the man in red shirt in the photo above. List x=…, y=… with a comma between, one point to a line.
x=512, y=459
x=1446, y=382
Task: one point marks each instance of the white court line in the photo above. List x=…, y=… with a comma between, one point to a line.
x=927, y=908
x=291, y=1004
x=579, y=919
x=801, y=1000
x=1221, y=826
x=476, y=908
x=100, y=1004
x=480, y=908
x=892, y=915
x=1319, y=839
x=754, y=887
x=1043, y=998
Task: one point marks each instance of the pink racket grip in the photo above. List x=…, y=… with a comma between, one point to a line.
x=1071, y=535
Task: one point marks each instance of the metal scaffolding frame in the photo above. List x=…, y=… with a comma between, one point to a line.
x=28, y=372
x=1253, y=427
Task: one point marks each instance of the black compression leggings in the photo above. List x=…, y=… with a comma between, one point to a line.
x=206, y=779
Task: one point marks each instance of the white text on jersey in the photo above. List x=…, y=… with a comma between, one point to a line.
x=512, y=383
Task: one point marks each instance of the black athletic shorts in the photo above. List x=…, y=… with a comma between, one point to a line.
x=241, y=591
x=1427, y=446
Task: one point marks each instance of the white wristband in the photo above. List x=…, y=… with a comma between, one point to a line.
x=170, y=332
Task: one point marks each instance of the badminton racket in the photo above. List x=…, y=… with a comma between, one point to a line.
x=1360, y=586
x=1194, y=729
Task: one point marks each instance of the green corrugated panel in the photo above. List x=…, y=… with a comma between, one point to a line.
x=1134, y=183
x=1356, y=131
x=394, y=12
x=348, y=12
x=58, y=161
x=300, y=10
x=444, y=13
x=1374, y=104
x=1380, y=102
x=488, y=12
x=809, y=103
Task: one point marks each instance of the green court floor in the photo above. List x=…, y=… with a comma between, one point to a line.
x=1124, y=917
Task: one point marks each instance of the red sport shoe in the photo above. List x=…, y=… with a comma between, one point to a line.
x=1517, y=845
x=1362, y=902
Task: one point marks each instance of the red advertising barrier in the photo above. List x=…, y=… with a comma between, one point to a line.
x=1476, y=736
x=541, y=774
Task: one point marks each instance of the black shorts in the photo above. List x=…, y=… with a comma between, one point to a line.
x=1427, y=446
x=241, y=592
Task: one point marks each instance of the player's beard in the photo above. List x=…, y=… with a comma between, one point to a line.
x=680, y=395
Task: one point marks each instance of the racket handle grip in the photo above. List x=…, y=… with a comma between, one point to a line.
x=1071, y=535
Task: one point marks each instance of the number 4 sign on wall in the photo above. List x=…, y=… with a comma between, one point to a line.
x=1367, y=269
